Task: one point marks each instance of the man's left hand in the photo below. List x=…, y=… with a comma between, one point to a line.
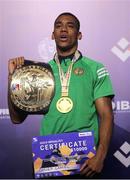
x=91, y=167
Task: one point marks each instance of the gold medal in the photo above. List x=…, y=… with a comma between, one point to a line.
x=64, y=104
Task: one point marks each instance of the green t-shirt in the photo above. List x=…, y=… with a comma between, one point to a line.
x=89, y=81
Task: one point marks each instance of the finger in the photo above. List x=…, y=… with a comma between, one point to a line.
x=12, y=61
x=22, y=60
x=84, y=165
x=11, y=65
x=18, y=62
x=90, y=173
x=85, y=170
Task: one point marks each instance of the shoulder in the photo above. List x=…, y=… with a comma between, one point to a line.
x=91, y=62
x=94, y=66
x=51, y=61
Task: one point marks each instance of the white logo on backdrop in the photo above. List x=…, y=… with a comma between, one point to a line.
x=4, y=113
x=122, y=154
x=122, y=49
x=46, y=49
x=121, y=106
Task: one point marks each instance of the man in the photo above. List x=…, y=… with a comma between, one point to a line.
x=83, y=93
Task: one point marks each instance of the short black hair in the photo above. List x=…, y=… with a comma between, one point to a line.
x=77, y=22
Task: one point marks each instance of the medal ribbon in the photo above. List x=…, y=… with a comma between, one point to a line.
x=65, y=77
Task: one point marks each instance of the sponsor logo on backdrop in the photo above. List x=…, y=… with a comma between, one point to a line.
x=46, y=49
x=4, y=114
x=121, y=106
x=123, y=154
x=122, y=49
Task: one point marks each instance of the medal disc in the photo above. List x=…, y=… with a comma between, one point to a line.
x=32, y=88
x=64, y=104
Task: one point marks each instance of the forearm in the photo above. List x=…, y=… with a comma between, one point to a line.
x=104, y=107
x=96, y=163
x=16, y=116
x=105, y=133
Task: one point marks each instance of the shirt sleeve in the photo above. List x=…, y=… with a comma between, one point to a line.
x=103, y=85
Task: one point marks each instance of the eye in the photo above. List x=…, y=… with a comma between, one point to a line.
x=58, y=25
x=71, y=25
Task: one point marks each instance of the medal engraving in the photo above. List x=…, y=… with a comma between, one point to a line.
x=32, y=88
x=64, y=104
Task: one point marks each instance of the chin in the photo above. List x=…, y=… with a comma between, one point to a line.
x=64, y=48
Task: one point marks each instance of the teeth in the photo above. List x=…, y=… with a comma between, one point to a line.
x=63, y=38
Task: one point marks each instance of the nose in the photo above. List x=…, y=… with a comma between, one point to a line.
x=64, y=28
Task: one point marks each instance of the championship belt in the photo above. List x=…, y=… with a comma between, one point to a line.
x=32, y=87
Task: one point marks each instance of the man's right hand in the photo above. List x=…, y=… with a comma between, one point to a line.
x=16, y=116
x=14, y=64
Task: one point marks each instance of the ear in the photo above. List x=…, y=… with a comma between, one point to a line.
x=79, y=36
x=52, y=36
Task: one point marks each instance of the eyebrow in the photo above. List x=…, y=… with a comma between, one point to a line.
x=69, y=22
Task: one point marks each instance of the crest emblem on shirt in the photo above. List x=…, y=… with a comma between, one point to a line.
x=78, y=71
